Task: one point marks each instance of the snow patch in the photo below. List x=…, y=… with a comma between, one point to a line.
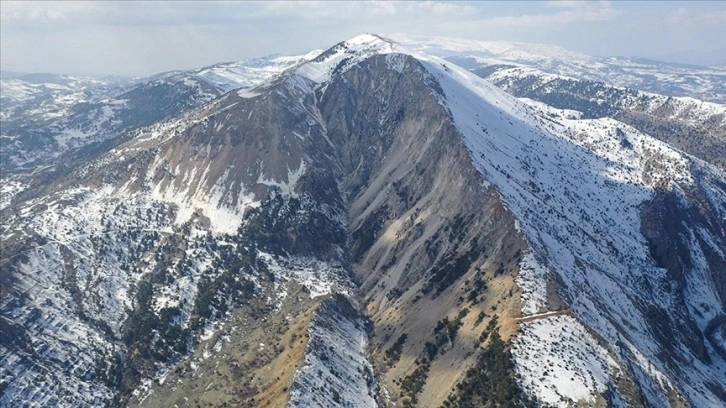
x=320, y=278
x=532, y=281
x=286, y=188
x=560, y=362
x=336, y=370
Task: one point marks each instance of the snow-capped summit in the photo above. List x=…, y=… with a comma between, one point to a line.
x=346, y=53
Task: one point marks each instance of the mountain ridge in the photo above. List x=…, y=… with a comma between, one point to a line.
x=654, y=76
x=694, y=126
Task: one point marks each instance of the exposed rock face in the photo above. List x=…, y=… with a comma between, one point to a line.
x=428, y=240
x=372, y=228
x=672, y=225
x=56, y=120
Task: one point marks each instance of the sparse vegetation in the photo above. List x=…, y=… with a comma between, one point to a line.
x=491, y=382
x=457, y=261
x=393, y=354
x=290, y=225
x=445, y=333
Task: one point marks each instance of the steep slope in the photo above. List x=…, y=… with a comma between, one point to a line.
x=160, y=273
x=375, y=226
x=585, y=221
x=385, y=131
x=434, y=252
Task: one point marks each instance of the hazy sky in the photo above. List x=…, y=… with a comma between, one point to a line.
x=142, y=38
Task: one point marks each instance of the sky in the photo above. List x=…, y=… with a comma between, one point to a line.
x=138, y=38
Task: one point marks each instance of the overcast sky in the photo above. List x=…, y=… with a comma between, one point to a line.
x=142, y=38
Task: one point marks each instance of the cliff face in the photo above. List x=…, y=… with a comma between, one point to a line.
x=434, y=251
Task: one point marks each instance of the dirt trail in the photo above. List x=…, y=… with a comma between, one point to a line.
x=544, y=315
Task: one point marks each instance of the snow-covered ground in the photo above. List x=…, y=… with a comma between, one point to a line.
x=688, y=110
x=336, y=370
x=9, y=188
x=560, y=362
x=249, y=73
x=319, y=278
x=532, y=280
x=576, y=186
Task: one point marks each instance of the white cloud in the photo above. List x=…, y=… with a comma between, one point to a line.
x=226, y=12
x=367, y=10
x=575, y=12
x=146, y=37
x=578, y=4
x=44, y=11
x=689, y=18
x=440, y=9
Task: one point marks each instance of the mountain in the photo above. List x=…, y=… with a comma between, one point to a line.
x=54, y=118
x=691, y=125
x=372, y=226
x=713, y=57
x=671, y=79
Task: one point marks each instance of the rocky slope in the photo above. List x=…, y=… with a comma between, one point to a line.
x=47, y=119
x=373, y=227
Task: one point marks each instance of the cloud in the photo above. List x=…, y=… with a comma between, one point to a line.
x=364, y=11
x=107, y=36
x=224, y=12
x=574, y=12
x=441, y=9
x=13, y=12
x=688, y=18
x=577, y=4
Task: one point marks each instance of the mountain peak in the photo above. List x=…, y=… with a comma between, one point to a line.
x=369, y=39
x=345, y=54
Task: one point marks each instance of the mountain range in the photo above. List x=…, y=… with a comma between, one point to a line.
x=420, y=222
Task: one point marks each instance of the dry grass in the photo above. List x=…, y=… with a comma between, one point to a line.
x=243, y=372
